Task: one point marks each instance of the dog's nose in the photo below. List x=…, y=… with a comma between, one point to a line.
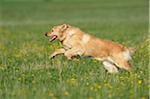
x=46, y=34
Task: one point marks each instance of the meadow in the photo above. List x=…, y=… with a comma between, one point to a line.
x=26, y=72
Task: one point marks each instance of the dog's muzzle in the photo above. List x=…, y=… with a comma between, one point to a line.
x=52, y=38
x=46, y=34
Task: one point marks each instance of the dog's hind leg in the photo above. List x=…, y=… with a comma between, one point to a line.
x=123, y=60
x=110, y=67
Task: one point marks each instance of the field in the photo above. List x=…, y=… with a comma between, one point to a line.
x=26, y=72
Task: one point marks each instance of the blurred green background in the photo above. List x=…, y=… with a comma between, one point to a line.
x=27, y=73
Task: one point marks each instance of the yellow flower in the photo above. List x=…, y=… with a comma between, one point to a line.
x=99, y=86
x=91, y=88
x=87, y=78
x=66, y=93
x=121, y=77
x=90, y=98
x=2, y=66
x=95, y=87
x=87, y=83
x=51, y=94
x=110, y=95
x=140, y=82
x=33, y=81
x=108, y=85
x=2, y=46
x=72, y=81
x=19, y=79
x=141, y=72
x=95, y=61
x=142, y=97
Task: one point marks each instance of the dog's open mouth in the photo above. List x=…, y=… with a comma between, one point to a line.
x=53, y=38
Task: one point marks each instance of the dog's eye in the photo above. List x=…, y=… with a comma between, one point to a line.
x=52, y=30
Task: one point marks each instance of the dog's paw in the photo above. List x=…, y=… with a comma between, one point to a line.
x=112, y=71
x=51, y=56
x=69, y=58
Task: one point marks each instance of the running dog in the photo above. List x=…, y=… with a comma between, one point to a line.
x=78, y=43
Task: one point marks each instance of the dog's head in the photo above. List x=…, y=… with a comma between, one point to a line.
x=57, y=32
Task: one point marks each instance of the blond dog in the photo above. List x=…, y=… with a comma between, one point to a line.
x=75, y=42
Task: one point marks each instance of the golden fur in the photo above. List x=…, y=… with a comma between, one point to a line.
x=76, y=42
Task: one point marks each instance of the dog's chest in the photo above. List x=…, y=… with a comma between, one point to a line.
x=67, y=43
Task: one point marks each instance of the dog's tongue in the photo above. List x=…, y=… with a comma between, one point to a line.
x=53, y=38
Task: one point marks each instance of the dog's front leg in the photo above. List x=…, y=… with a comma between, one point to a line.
x=57, y=52
x=73, y=52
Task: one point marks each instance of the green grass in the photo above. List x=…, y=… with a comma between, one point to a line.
x=26, y=72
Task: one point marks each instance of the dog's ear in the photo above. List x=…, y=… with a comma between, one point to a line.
x=64, y=27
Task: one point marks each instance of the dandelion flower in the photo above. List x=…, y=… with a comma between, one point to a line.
x=140, y=82
x=51, y=94
x=66, y=93
x=90, y=98
x=142, y=97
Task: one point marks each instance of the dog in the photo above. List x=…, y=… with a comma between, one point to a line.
x=75, y=42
